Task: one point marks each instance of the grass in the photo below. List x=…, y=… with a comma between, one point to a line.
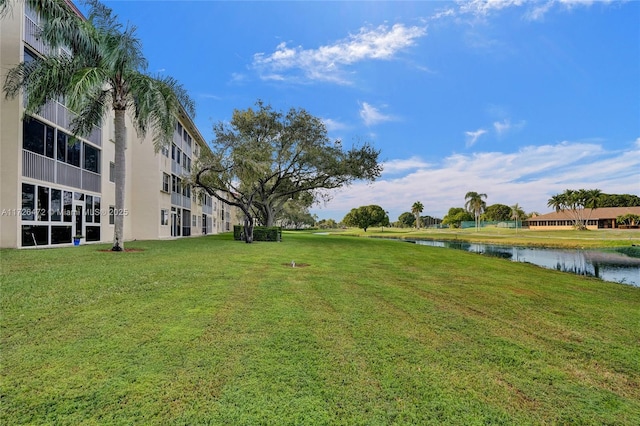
x=213, y=331
x=602, y=238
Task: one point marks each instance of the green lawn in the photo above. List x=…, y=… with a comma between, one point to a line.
x=372, y=332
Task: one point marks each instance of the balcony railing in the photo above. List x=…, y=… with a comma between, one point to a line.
x=176, y=169
x=31, y=36
x=178, y=199
x=38, y=166
x=47, y=169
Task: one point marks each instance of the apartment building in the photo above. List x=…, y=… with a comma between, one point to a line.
x=51, y=189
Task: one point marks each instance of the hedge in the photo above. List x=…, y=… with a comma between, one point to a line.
x=260, y=233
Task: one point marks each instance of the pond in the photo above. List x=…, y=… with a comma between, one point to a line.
x=606, y=265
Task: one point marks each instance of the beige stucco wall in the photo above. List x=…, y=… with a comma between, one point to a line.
x=10, y=130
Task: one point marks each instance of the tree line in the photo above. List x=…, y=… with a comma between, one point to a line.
x=577, y=203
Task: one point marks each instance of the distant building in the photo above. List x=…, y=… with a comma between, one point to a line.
x=52, y=190
x=602, y=218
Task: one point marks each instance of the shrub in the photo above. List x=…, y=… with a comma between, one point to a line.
x=260, y=233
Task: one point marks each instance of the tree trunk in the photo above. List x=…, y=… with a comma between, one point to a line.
x=120, y=171
x=269, y=216
x=248, y=229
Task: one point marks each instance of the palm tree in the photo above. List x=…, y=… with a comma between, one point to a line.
x=475, y=204
x=516, y=213
x=557, y=202
x=575, y=202
x=416, y=209
x=106, y=71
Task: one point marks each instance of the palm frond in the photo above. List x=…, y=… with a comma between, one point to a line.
x=42, y=79
x=158, y=101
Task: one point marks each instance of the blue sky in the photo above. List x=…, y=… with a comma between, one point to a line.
x=516, y=99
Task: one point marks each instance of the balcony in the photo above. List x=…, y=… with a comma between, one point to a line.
x=47, y=169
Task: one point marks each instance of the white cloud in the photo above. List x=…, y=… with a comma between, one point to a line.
x=333, y=125
x=533, y=9
x=529, y=177
x=326, y=62
x=502, y=127
x=472, y=137
x=372, y=115
x=399, y=166
x=484, y=7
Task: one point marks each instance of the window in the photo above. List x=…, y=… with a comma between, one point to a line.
x=68, y=149
x=194, y=221
x=165, y=151
x=164, y=217
x=96, y=209
x=179, y=130
x=49, y=142
x=112, y=215
x=112, y=171
x=28, y=202
x=29, y=56
x=165, y=182
x=176, y=184
x=56, y=205
x=61, y=148
x=73, y=153
x=67, y=202
x=43, y=203
x=88, y=211
x=91, y=158
x=37, y=137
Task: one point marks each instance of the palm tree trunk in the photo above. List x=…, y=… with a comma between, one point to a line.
x=120, y=147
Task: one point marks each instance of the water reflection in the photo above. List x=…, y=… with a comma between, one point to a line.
x=608, y=266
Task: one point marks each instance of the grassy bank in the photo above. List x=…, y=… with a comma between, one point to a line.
x=602, y=238
x=363, y=331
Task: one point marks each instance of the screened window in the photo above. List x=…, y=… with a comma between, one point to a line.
x=91, y=158
x=49, y=141
x=33, y=136
x=164, y=217
x=112, y=171
x=73, y=153
x=68, y=149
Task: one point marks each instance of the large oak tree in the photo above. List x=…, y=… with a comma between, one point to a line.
x=264, y=158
